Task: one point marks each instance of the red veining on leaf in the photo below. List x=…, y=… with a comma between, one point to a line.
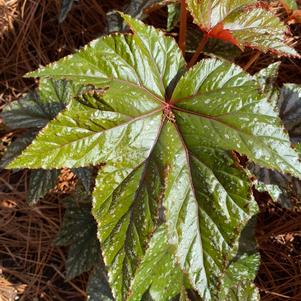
x=219, y=32
x=168, y=114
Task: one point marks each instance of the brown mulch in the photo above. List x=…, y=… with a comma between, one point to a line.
x=30, y=266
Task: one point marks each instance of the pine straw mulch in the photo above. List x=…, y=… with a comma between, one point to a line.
x=30, y=266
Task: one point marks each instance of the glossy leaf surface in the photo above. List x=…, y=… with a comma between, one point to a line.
x=158, y=276
x=242, y=24
x=164, y=157
x=282, y=187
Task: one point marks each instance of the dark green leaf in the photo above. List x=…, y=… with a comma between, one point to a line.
x=65, y=9
x=290, y=110
x=16, y=147
x=85, y=175
x=36, y=109
x=79, y=233
x=40, y=182
x=98, y=288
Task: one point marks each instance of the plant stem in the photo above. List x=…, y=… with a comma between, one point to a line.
x=252, y=60
x=198, y=51
x=183, y=27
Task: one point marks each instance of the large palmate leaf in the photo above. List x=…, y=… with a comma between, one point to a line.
x=163, y=144
x=241, y=23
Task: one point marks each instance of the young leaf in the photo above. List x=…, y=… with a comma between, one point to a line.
x=40, y=182
x=241, y=23
x=158, y=147
x=79, y=233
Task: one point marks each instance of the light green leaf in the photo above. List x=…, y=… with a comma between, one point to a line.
x=213, y=206
x=81, y=136
x=242, y=24
x=158, y=276
x=224, y=105
x=237, y=284
x=145, y=61
x=126, y=207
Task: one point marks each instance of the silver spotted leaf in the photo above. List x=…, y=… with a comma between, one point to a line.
x=16, y=147
x=282, y=187
x=40, y=182
x=79, y=233
x=158, y=276
x=164, y=156
x=98, y=288
x=37, y=108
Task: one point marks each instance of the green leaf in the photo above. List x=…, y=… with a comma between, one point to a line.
x=16, y=147
x=85, y=175
x=237, y=284
x=36, y=109
x=165, y=157
x=40, y=182
x=146, y=61
x=242, y=24
x=158, y=276
x=79, y=233
x=289, y=105
x=281, y=187
x=291, y=4
x=81, y=136
x=98, y=288
x=173, y=15
x=65, y=9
